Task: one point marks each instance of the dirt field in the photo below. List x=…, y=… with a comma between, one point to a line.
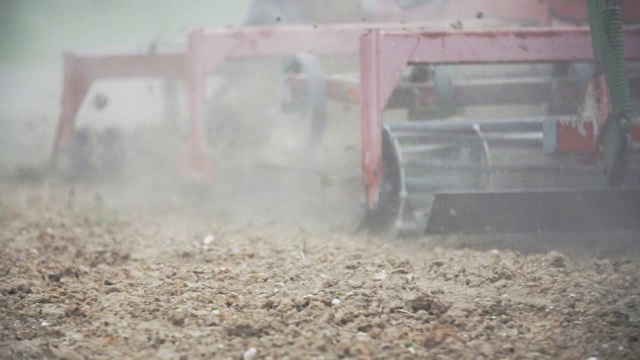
x=82, y=279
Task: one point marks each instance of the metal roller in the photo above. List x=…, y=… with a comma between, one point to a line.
x=439, y=174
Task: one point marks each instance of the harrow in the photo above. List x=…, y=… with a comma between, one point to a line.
x=574, y=166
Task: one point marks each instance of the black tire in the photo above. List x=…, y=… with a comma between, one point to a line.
x=445, y=92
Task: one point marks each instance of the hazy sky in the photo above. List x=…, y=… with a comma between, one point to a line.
x=36, y=31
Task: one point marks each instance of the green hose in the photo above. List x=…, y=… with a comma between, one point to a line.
x=613, y=60
x=608, y=51
x=595, y=8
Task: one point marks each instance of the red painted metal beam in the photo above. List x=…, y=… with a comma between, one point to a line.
x=252, y=42
x=385, y=50
x=129, y=65
x=371, y=106
x=194, y=160
x=524, y=45
x=436, y=44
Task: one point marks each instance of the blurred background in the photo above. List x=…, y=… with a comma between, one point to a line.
x=33, y=36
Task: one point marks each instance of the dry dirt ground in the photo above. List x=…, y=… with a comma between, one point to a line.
x=80, y=279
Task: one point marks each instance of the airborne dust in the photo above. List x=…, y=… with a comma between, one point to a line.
x=262, y=262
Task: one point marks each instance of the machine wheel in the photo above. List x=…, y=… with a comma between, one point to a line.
x=228, y=126
x=445, y=91
x=414, y=169
x=387, y=214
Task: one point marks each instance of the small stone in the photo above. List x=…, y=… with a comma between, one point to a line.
x=208, y=240
x=212, y=321
x=178, y=318
x=250, y=353
x=244, y=330
x=168, y=272
x=410, y=278
x=335, y=302
x=112, y=289
x=380, y=276
x=430, y=304
x=556, y=260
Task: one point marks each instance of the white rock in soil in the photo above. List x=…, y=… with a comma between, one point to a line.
x=380, y=276
x=250, y=353
x=335, y=302
x=208, y=240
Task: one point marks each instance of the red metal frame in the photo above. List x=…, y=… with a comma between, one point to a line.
x=385, y=49
x=384, y=54
x=81, y=70
x=206, y=49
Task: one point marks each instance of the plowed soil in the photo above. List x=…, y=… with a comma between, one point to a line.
x=82, y=279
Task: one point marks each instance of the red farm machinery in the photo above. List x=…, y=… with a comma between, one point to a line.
x=465, y=158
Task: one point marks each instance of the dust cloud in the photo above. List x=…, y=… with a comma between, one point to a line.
x=264, y=170
x=266, y=167
x=118, y=253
